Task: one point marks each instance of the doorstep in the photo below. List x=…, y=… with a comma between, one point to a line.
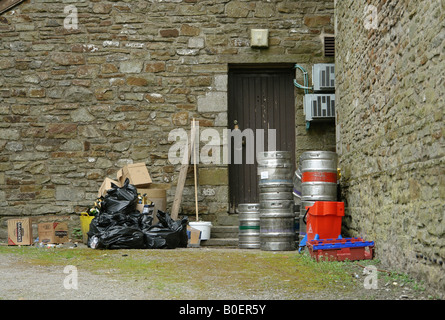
x=220, y=242
x=222, y=236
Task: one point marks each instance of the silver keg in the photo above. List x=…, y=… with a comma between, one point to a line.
x=274, y=168
x=319, y=176
x=249, y=226
x=274, y=158
x=277, y=216
x=277, y=230
x=275, y=192
x=297, y=185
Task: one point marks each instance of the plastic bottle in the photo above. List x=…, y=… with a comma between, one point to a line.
x=94, y=242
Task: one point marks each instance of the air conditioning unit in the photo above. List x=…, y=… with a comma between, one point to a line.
x=319, y=106
x=323, y=77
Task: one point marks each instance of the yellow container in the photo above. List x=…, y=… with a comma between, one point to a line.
x=85, y=221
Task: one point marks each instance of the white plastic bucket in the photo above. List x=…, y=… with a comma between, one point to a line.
x=204, y=227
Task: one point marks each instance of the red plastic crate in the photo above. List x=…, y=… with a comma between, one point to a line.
x=341, y=249
x=324, y=219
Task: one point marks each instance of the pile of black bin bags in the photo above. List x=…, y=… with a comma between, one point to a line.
x=120, y=226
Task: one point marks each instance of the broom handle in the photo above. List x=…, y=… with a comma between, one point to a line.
x=194, y=170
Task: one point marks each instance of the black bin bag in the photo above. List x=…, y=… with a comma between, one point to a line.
x=120, y=226
x=167, y=233
x=119, y=237
x=116, y=231
x=121, y=200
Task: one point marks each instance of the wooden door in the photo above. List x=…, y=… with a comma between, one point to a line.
x=259, y=98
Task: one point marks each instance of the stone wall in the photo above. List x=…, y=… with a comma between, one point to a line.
x=390, y=72
x=77, y=102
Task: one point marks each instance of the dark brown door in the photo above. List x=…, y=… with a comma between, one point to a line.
x=258, y=99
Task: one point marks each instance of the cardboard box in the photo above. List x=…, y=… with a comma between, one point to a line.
x=53, y=232
x=106, y=185
x=194, y=237
x=137, y=173
x=20, y=231
x=158, y=197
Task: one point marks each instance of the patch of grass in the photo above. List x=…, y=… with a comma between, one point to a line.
x=333, y=274
x=183, y=270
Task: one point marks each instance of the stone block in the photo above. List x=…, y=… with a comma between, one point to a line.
x=68, y=59
x=103, y=93
x=221, y=119
x=6, y=63
x=169, y=33
x=37, y=93
x=196, y=42
x=188, y=30
x=102, y=8
x=14, y=146
x=68, y=193
x=108, y=68
x=154, y=97
x=187, y=52
x=72, y=145
x=180, y=118
x=199, y=81
x=131, y=66
x=89, y=131
x=213, y=102
x=213, y=176
x=265, y=10
x=78, y=94
x=9, y=134
x=154, y=67
x=81, y=115
x=121, y=146
x=317, y=21
x=221, y=82
x=137, y=81
x=238, y=9
x=61, y=130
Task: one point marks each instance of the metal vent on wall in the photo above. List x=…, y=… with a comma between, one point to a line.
x=319, y=106
x=323, y=77
x=329, y=46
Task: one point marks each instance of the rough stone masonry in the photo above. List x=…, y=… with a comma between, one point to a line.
x=89, y=86
x=391, y=88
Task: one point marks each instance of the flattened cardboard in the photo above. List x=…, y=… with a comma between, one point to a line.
x=194, y=237
x=137, y=173
x=20, y=231
x=53, y=232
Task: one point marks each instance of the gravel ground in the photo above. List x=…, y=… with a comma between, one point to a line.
x=21, y=280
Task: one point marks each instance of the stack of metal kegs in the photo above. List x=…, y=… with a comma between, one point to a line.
x=314, y=180
x=277, y=216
